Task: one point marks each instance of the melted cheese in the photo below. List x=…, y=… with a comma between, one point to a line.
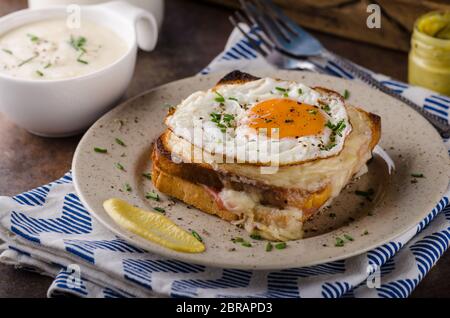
x=270, y=222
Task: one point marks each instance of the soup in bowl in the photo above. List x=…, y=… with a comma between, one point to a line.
x=59, y=74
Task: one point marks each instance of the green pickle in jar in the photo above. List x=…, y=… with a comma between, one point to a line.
x=429, y=58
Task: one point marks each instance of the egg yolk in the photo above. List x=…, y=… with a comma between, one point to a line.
x=293, y=119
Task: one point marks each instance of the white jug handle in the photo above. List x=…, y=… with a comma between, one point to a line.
x=144, y=22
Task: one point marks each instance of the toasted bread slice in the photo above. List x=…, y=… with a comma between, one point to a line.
x=190, y=193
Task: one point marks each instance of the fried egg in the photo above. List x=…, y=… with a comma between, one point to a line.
x=264, y=121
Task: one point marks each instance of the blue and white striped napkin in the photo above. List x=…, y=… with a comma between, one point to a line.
x=47, y=230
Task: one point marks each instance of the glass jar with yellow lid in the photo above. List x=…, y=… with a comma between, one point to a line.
x=429, y=58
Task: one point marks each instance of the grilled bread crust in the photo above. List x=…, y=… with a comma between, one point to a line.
x=189, y=192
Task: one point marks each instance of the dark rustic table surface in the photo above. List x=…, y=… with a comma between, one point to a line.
x=193, y=33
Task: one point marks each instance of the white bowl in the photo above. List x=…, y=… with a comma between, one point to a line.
x=57, y=108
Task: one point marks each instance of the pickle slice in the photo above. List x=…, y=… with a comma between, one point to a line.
x=152, y=226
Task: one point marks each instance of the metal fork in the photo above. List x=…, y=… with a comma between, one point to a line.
x=269, y=52
x=285, y=35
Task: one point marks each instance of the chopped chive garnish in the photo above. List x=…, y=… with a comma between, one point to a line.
x=417, y=175
x=233, y=98
x=337, y=128
x=100, y=150
x=366, y=232
x=218, y=119
x=339, y=242
x=120, y=142
x=128, y=187
x=78, y=43
x=47, y=65
x=147, y=175
x=27, y=60
x=329, y=125
x=228, y=117
x=7, y=51
x=39, y=73
x=80, y=60
x=215, y=117
x=326, y=108
x=33, y=38
x=160, y=210
x=280, y=89
x=346, y=94
x=281, y=246
x=219, y=98
x=197, y=236
x=348, y=237
x=269, y=247
x=256, y=237
x=312, y=111
x=120, y=166
x=328, y=147
x=300, y=92
x=152, y=195
x=242, y=241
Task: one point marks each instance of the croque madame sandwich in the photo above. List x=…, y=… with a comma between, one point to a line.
x=262, y=153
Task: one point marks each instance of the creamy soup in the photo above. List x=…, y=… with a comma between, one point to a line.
x=51, y=50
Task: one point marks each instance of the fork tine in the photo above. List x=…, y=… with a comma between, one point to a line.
x=265, y=9
x=266, y=24
x=253, y=16
x=244, y=19
x=252, y=42
x=283, y=18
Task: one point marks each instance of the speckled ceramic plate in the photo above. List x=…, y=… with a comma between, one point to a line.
x=398, y=205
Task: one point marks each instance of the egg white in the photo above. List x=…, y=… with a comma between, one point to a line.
x=241, y=143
